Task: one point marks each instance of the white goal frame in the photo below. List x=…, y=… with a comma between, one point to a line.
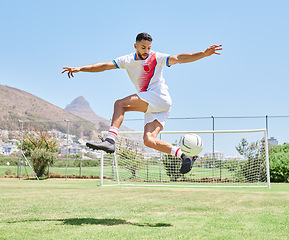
x=264, y=131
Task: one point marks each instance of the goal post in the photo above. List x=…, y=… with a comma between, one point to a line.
x=236, y=158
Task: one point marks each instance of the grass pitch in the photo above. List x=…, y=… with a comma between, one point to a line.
x=78, y=209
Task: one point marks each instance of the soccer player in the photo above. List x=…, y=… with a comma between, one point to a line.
x=144, y=68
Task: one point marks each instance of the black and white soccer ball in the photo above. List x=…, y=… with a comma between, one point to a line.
x=191, y=144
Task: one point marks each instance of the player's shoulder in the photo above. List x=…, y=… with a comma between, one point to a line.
x=161, y=55
x=128, y=57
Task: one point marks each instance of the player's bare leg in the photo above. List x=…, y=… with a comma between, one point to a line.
x=151, y=132
x=127, y=104
x=130, y=103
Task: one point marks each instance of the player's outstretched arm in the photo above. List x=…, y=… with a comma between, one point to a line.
x=191, y=57
x=96, y=67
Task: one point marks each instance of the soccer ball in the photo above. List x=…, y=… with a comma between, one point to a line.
x=191, y=144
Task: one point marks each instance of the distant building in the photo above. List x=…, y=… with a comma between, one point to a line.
x=72, y=149
x=234, y=158
x=217, y=155
x=273, y=141
x=4, y=133
x=6, y=149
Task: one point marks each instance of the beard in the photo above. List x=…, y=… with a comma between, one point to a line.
x=141, y=56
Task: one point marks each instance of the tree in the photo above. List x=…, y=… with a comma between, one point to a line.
x=255, y=160
x=40, y=146
x=38, y=139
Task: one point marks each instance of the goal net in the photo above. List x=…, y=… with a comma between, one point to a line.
x=229, y=158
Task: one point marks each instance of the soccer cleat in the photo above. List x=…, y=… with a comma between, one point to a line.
x=107, y=146
x=187, y=163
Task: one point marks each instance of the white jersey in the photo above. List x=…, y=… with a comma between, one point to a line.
x=145, y=74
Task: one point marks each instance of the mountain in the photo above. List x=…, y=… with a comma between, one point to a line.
x=18, y=105
x=81, y=108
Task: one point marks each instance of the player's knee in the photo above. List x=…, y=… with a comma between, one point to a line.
x=148, y=140
x=118, y=103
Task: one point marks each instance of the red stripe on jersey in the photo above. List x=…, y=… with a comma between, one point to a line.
x=113, y=132
x=148, y=72
x=176, y=154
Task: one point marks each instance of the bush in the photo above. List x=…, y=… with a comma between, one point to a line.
x=61, y=163
x=254, y=152
x=41, y=159
x=8, y=172
x=75, y=163
x=279, y=163
x=12, y=160
x=87, y=163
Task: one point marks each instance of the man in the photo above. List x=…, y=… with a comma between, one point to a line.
x=145, y=71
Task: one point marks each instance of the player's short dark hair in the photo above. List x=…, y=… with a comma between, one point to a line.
x=144, y=36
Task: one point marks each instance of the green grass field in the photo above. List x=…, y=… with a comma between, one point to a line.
x=78, y=209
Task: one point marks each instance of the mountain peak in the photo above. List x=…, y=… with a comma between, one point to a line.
x=78, y=102
x=80, y=107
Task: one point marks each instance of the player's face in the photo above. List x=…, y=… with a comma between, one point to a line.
x=143, y=49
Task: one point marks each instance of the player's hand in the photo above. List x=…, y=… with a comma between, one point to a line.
x=212, y=50
x=70, y=71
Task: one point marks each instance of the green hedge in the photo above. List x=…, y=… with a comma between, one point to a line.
x=13, y=161
x=279, y=163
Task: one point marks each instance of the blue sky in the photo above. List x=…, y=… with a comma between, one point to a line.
x=249, y=78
